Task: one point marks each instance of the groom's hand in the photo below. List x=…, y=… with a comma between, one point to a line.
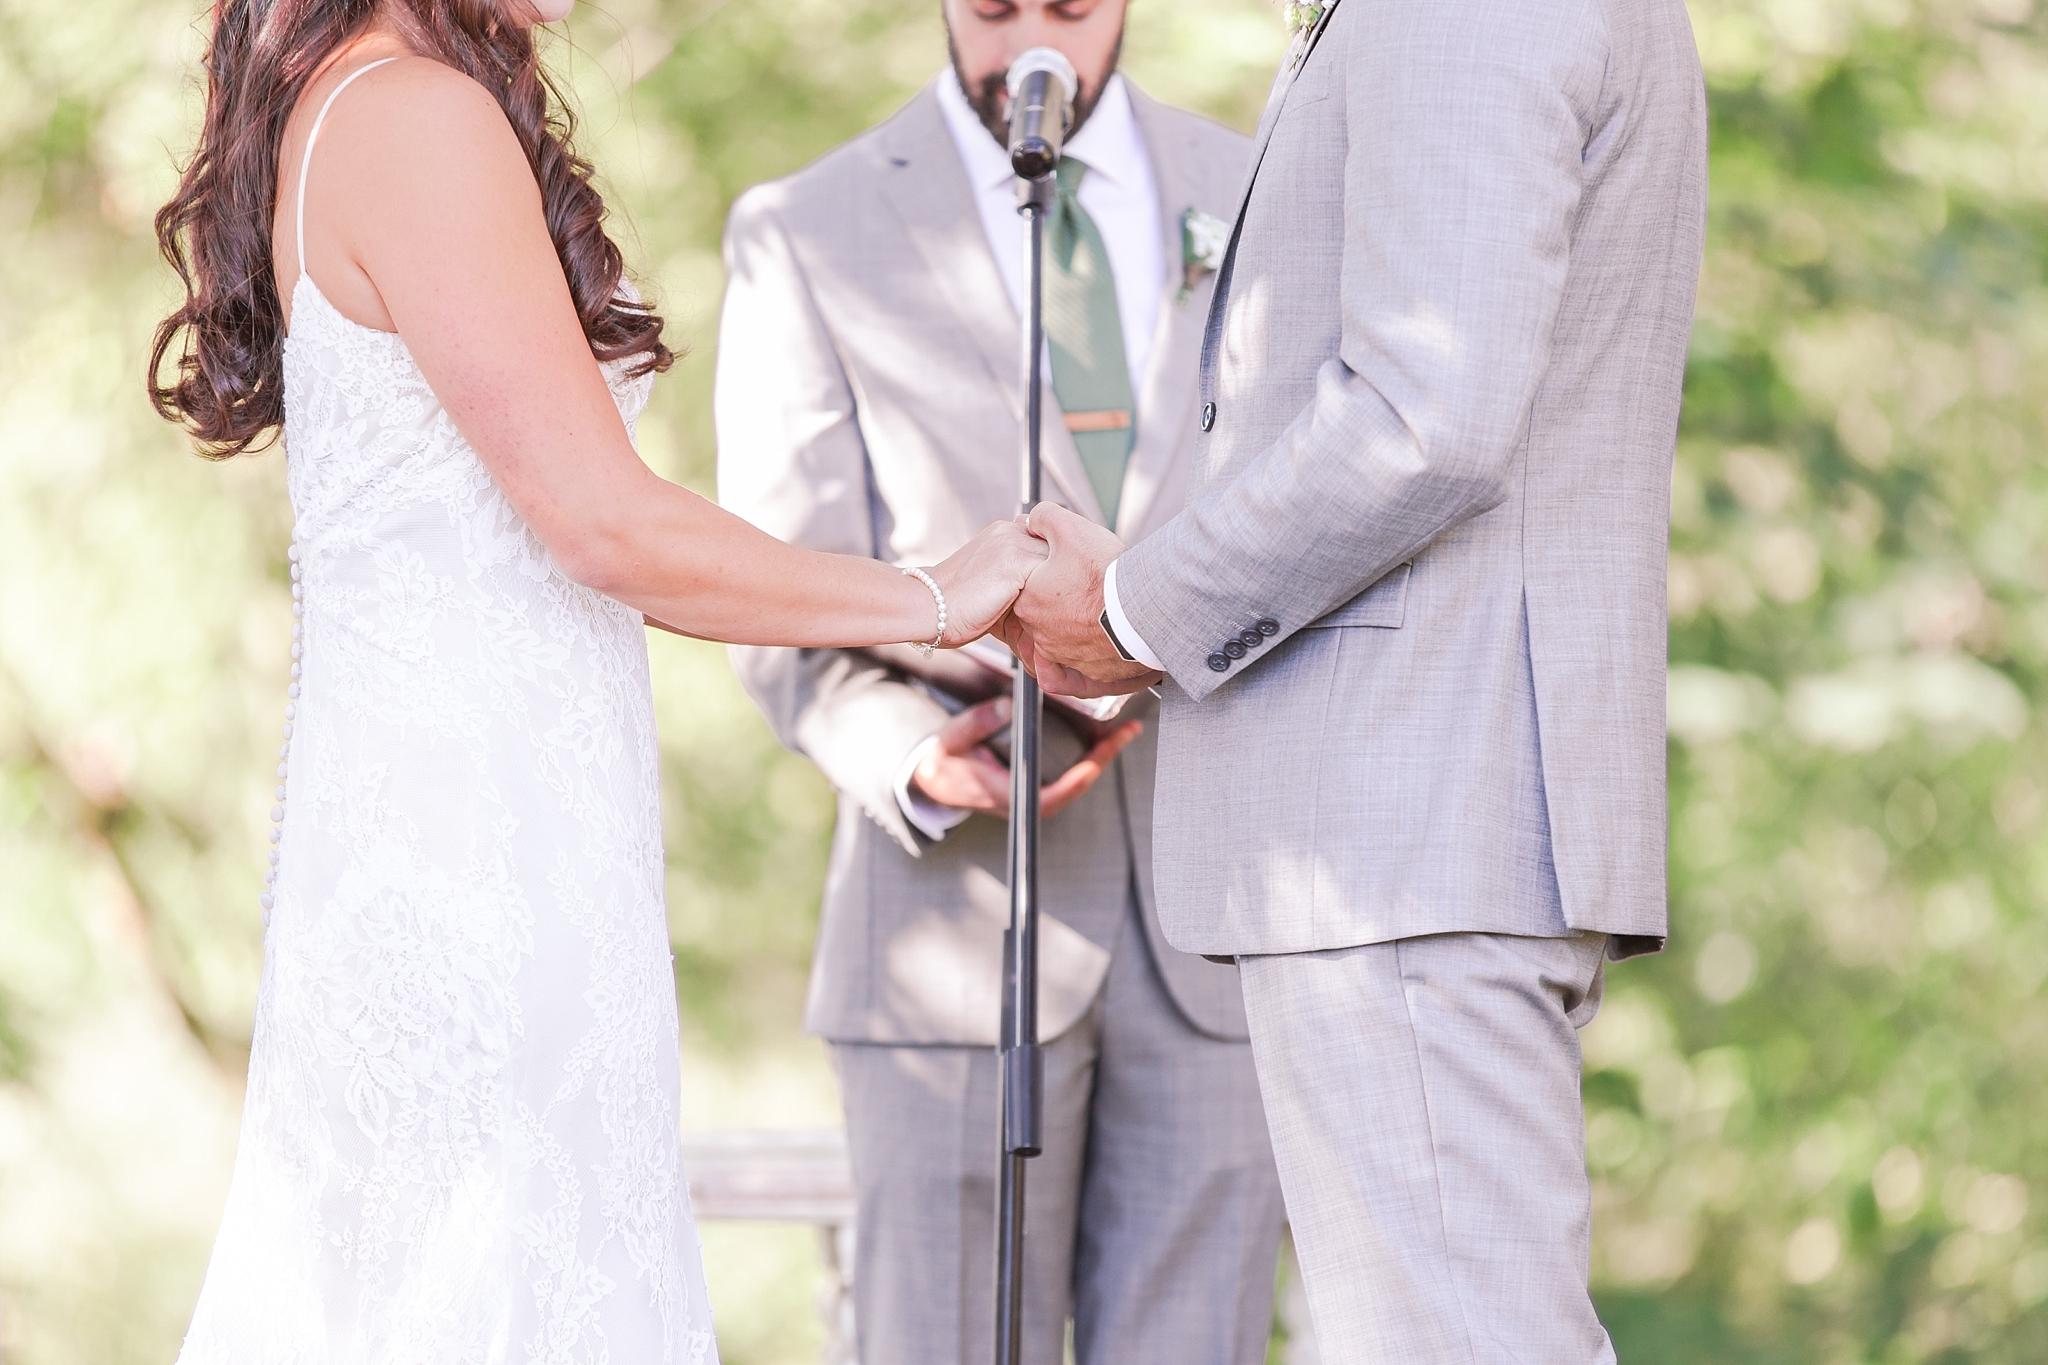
x=1055, y=626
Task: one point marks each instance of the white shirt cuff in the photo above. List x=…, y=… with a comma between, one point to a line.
x=927, y=816
x=1121, y=624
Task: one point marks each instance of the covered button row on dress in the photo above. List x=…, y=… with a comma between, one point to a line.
x=291, y=711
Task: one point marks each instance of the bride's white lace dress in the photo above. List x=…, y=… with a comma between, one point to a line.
x=461, y=1138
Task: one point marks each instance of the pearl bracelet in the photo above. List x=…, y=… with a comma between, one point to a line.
x=938, y=597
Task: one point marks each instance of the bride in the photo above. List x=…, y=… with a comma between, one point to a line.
x=460, y=1142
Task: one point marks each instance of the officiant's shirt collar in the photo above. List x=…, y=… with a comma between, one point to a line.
x=1108, y=141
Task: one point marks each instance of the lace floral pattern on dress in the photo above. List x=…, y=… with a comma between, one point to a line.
x=461, y=1138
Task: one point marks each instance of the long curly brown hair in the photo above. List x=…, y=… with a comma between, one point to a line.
x=228, y=388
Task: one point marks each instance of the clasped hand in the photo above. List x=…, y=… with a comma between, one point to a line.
x=1036, y=584
x=1055, y=625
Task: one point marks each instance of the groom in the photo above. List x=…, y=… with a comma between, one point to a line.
x=1412, y=631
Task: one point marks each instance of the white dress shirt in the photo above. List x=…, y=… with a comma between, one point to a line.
x=1119, y=194
x=1126, y=633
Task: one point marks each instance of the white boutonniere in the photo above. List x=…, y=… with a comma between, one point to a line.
x=1301, y=16
x=1203, y=240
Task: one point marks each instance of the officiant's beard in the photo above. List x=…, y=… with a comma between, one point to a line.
x=990, y=100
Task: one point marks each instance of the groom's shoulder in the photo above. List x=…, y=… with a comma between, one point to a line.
x=837, y=182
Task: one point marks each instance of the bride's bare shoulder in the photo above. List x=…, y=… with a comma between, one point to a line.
x=415, y=161
x=420, y=85
x=415, y=132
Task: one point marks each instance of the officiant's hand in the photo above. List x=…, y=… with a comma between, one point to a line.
x=1056, y=625
x=961, y=771
x=982, y=578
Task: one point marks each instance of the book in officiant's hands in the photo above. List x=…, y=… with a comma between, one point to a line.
x=977, y=672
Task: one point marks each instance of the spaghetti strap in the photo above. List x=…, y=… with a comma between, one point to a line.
x=306, y=161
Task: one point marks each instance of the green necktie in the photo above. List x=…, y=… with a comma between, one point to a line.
x=1086, y=334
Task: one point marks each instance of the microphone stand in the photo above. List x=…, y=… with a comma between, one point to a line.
x=1022, y=1075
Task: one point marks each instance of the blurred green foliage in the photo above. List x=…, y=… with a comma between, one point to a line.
x=1814, y=1121
x=1811, y=1123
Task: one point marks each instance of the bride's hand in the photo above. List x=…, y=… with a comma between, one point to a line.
x=983, y=577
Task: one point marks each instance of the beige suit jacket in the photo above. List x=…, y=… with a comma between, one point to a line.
x=867, y=403
x=1414, y=611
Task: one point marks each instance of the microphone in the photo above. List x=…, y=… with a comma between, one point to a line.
x=1042, y=87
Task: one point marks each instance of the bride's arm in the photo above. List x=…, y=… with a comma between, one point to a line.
x=429, y=195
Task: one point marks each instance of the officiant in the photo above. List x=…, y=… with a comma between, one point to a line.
x=867, y=402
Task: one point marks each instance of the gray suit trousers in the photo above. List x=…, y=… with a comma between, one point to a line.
x=1424, y=1101
x=1153, y=1218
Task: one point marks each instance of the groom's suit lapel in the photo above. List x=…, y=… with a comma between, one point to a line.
x=1283, y=81
x=925, y=185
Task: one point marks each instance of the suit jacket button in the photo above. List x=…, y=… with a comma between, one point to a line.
x=1266, y=625
x=1208, y=416
x=1219, y=662
x=1233, y=649
x=1250, y=639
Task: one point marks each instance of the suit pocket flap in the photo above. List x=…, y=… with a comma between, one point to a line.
x=1384, y=604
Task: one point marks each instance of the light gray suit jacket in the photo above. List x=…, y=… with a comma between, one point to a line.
x=1445, y=359
x=867, y=403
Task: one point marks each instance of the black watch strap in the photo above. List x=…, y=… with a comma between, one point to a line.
x=1123, y=653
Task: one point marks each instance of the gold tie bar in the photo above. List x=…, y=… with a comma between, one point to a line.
x=1107, y=419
